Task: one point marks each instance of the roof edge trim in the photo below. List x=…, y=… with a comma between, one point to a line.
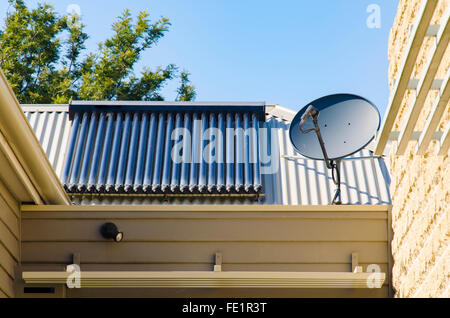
x=29, y=153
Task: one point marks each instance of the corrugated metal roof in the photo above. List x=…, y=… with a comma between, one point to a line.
x=290, y=181
x=51, y=125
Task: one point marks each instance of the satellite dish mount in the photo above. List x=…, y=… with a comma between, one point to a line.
x=333, y=165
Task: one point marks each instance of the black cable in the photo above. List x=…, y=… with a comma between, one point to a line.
x=335, y=175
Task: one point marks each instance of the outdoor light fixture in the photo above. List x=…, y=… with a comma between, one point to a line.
x=109, y=231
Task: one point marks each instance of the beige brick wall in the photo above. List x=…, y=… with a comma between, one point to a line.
x=420, y=184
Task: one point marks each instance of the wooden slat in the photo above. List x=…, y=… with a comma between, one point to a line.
x=3, y=295
x=9, y=199
x=435, y=116
x=195, y=252
x=412, y=50
x=9, y=218
x=7, y=262
x=11, y=181
x=6, y=284
x=240, y=230
x=424, y=85
x=9, y=241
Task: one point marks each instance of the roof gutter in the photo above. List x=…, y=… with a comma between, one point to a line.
x=21, y=139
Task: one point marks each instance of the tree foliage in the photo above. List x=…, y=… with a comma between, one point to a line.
x=42, y=56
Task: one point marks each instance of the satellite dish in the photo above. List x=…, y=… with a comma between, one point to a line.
x=343, y=124
x=347, y=124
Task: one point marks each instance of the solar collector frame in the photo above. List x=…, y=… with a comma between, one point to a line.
x=127, y=148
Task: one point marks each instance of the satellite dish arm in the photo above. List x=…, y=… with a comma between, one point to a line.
x=314, y=113
x=310, y=111
x=333, y=166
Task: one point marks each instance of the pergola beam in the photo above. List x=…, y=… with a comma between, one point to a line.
x=419, y=33
x=434, y=118
x=424, y=85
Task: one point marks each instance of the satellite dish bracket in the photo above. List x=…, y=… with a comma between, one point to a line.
x=334, y=166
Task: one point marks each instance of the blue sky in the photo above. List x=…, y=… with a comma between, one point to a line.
x=287, y=52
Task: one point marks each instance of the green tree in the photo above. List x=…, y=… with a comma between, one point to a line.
x=186, y=91
x=41, y=54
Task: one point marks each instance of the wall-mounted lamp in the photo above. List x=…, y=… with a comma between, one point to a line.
x=109, y=231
